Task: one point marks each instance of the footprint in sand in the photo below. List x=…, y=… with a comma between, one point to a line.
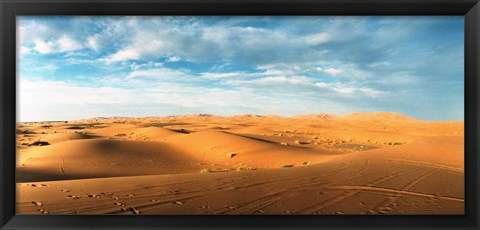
x=288, y=212
x=178, y=202
x=130, y=195
x=134, y=210
x=339, y=213
x=37, y=203
x=37, y=185
x=73, y=197
x=231, y=207
x=153, y=200
x=65, y=190
x=115, y=198
x=93, y=196
x=43, y=211
x=204, y=206
x=119, y=204
x=261, y=211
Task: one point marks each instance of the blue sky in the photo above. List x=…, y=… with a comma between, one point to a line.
x=81, y=67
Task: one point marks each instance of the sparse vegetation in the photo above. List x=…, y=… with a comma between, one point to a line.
x=231, y=155
x=306, y=163
x=28, y=132
x=75, y=127
x=395, y=143
x=206, y=170
x=302, y=142
x=39, y=143
x=287, y=166
x=181, y=131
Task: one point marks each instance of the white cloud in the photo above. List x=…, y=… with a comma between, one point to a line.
x=333, y=71
x=156, y=38
x=321, y=85
x=354, y=91
x=285, y=69
x=32, y=30
x=173, y=59
x=135, y=66
x=344, y=90
x=65, y=43
x=319, y=38
x=227, y=75
x=372, y=92
x=123, y=55
x=24, y=50
x=36, y=98
x=49, y=92
x=75, y=102
x=308, y=86
x=160, y=73
x=43, y=47
x=294, y=80
x=273, y=80
x=93, y=42
x=62, y=44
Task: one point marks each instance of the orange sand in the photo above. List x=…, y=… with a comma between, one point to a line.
x=362, y=163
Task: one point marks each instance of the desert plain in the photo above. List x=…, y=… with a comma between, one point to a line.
x=361, y=163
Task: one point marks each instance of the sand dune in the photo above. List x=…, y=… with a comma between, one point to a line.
x=102, y=158
x=61, y=137
x=362, y=163
x=215, y=147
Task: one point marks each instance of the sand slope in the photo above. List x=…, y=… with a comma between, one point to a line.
x=102, y=158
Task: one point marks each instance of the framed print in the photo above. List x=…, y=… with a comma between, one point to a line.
x=257, y=114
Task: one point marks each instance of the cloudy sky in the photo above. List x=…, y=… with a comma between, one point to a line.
x=82, y=67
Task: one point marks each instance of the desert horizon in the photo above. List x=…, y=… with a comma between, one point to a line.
x=235, y=115
x=358, y=163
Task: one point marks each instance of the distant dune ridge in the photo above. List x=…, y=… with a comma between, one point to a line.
x=378, y=116
x=359, y=163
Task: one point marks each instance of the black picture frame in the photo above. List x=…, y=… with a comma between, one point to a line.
x=9, y=9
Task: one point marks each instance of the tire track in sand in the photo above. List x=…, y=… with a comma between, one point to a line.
x=326, y=203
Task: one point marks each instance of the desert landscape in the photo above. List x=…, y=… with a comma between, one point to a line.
x=358, y=163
